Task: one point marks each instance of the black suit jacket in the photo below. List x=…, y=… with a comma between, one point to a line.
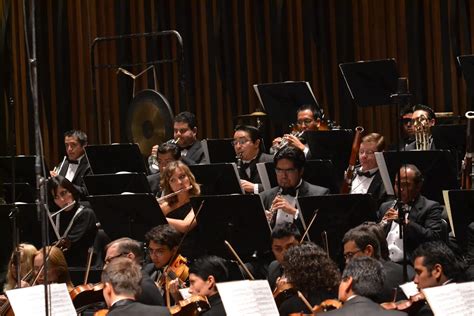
x=195, y=155
x=362, y=306
x=132, y=308
x=377, y=189
x=254, y=176
x=393, y=278
x=306, y=189
x=217, y=307
x=275, y=270
x=83, y=170
x=424, y=225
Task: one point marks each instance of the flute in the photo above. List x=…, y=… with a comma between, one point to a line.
x=173, y=194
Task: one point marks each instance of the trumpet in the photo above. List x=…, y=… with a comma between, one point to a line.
x=154, y=158
x=284, y=141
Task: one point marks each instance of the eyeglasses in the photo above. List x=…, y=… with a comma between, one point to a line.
x=61, y=194
x=108, y=260
x=349, y=255
x=305, y=122
x=240, y=142
x=285, y=171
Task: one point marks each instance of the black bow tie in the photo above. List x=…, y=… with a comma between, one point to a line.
x=73, y=162
x=289, y=191
x=365, y=174
x=245, y=165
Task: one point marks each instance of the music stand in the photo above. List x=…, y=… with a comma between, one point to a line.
x=218, y=150
x=371, y=82
x=127, y=215
x=239, y=219
x=24, y=192
x=461, y=204
x=335, y=145
x=106, y=159
x=437, y=166
x=319, y=172
x=467, y=66
x=116, y=183
x=451, y=137
x=336, y=215
x=24, y=169
x=217, y=178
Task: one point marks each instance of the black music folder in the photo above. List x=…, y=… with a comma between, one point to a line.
x=24, y=169
x=127, y=215
x=218, y=150
x=460, y=206
x=336, y=215
x=371, y=82
x=437, y=166
x=239, y=219
x=217, y=178
x=319, y=172
x=103, y=184
x=106, y=159
x=24, y=192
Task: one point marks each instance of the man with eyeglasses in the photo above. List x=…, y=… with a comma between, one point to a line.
x=248, y=148
x=280, y=202
x=129, y=248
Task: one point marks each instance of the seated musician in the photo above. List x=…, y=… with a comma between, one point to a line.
x=422, y=216
x=406, y=128
x=423, y=116
x=121, y=278
x=165, y=153
x=284, y=236
x=248, y=148
x=361, y=282
x=204, y=273
x=308, y=118
x=76, y=225
x=309, y=269
x=132, y=249
x=362, y=242
x=178, y=209
x=367, y=177
x=281, y=200
x=57, y=267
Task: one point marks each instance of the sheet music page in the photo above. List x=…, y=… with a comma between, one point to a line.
x=61, y=303
x=257, y=92
x=205, y=149
x=262, y=172
x=409, y=289
x=441, y=299
x=247, y=298
x=384, y=173
x=447, y=205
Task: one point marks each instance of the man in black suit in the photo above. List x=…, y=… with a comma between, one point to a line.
x=75, y=165
x=367, y=177
x=165, y=154
x=121, y=279
x=127, y=247
x=362, y=280
x=185, y=130
x=422, y=216
x=248, y=148
x=361, y=242
x=423, y=118
x=280, y=202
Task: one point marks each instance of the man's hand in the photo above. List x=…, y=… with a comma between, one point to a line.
x=294, y=141
x=53, y=173
x=390, y=215
x=280, y=203
x=154, y=150
x=247, y=186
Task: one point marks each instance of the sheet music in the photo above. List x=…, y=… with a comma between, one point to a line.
x=384, y=173
x=205, y=149
x=409, y=289
x=262, y=172
x=247, y=298
x=447, y=205
x=441, y=299
x=61, y=303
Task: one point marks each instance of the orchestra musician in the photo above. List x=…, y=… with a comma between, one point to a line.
x=27, y=254
x=406, y=128
x=248, y=148
x=165, y=154
x=76, y=224
x=422, y=216
x=129, y=248
x=57, y=267
x=121, y=278
x=75, y=165
x=361, y=281
x=309, y=269
x=421, y=111
x=281, y=200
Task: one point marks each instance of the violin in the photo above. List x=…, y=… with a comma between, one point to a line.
x=178, y=269
x=282, y=292
x=193, y=306
x=410, y=306
x=325, y=306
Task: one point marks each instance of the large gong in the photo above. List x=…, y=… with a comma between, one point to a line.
x=149, y=120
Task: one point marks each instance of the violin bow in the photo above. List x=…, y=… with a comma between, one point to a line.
x=238, y=259
x=305, y=301
x=324, y=238
x=89, y=262
x=309, y=226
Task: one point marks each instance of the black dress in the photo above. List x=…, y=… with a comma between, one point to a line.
x=217, y=308
x=189, y=248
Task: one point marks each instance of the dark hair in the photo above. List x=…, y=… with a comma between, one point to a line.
x=293, y=154
x=317, y=111
x=406, y=110
x=286, y=230
x=309, y=269
x=375, y=138
x=80, y=135
x=170, y=148
x=418, y=178
x=59, y=180
x=253, y=132
x=367, y=275
x=437, y=252
x=186, y=117
x=210, y=265
x=378, y=232
x=165, y=235
x=127, y=245
x=362, y=238
x=124, y=276
x=427, y=109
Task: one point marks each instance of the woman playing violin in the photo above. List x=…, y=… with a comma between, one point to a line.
x=57, y=267
x=76, y=225
x=311, y=271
